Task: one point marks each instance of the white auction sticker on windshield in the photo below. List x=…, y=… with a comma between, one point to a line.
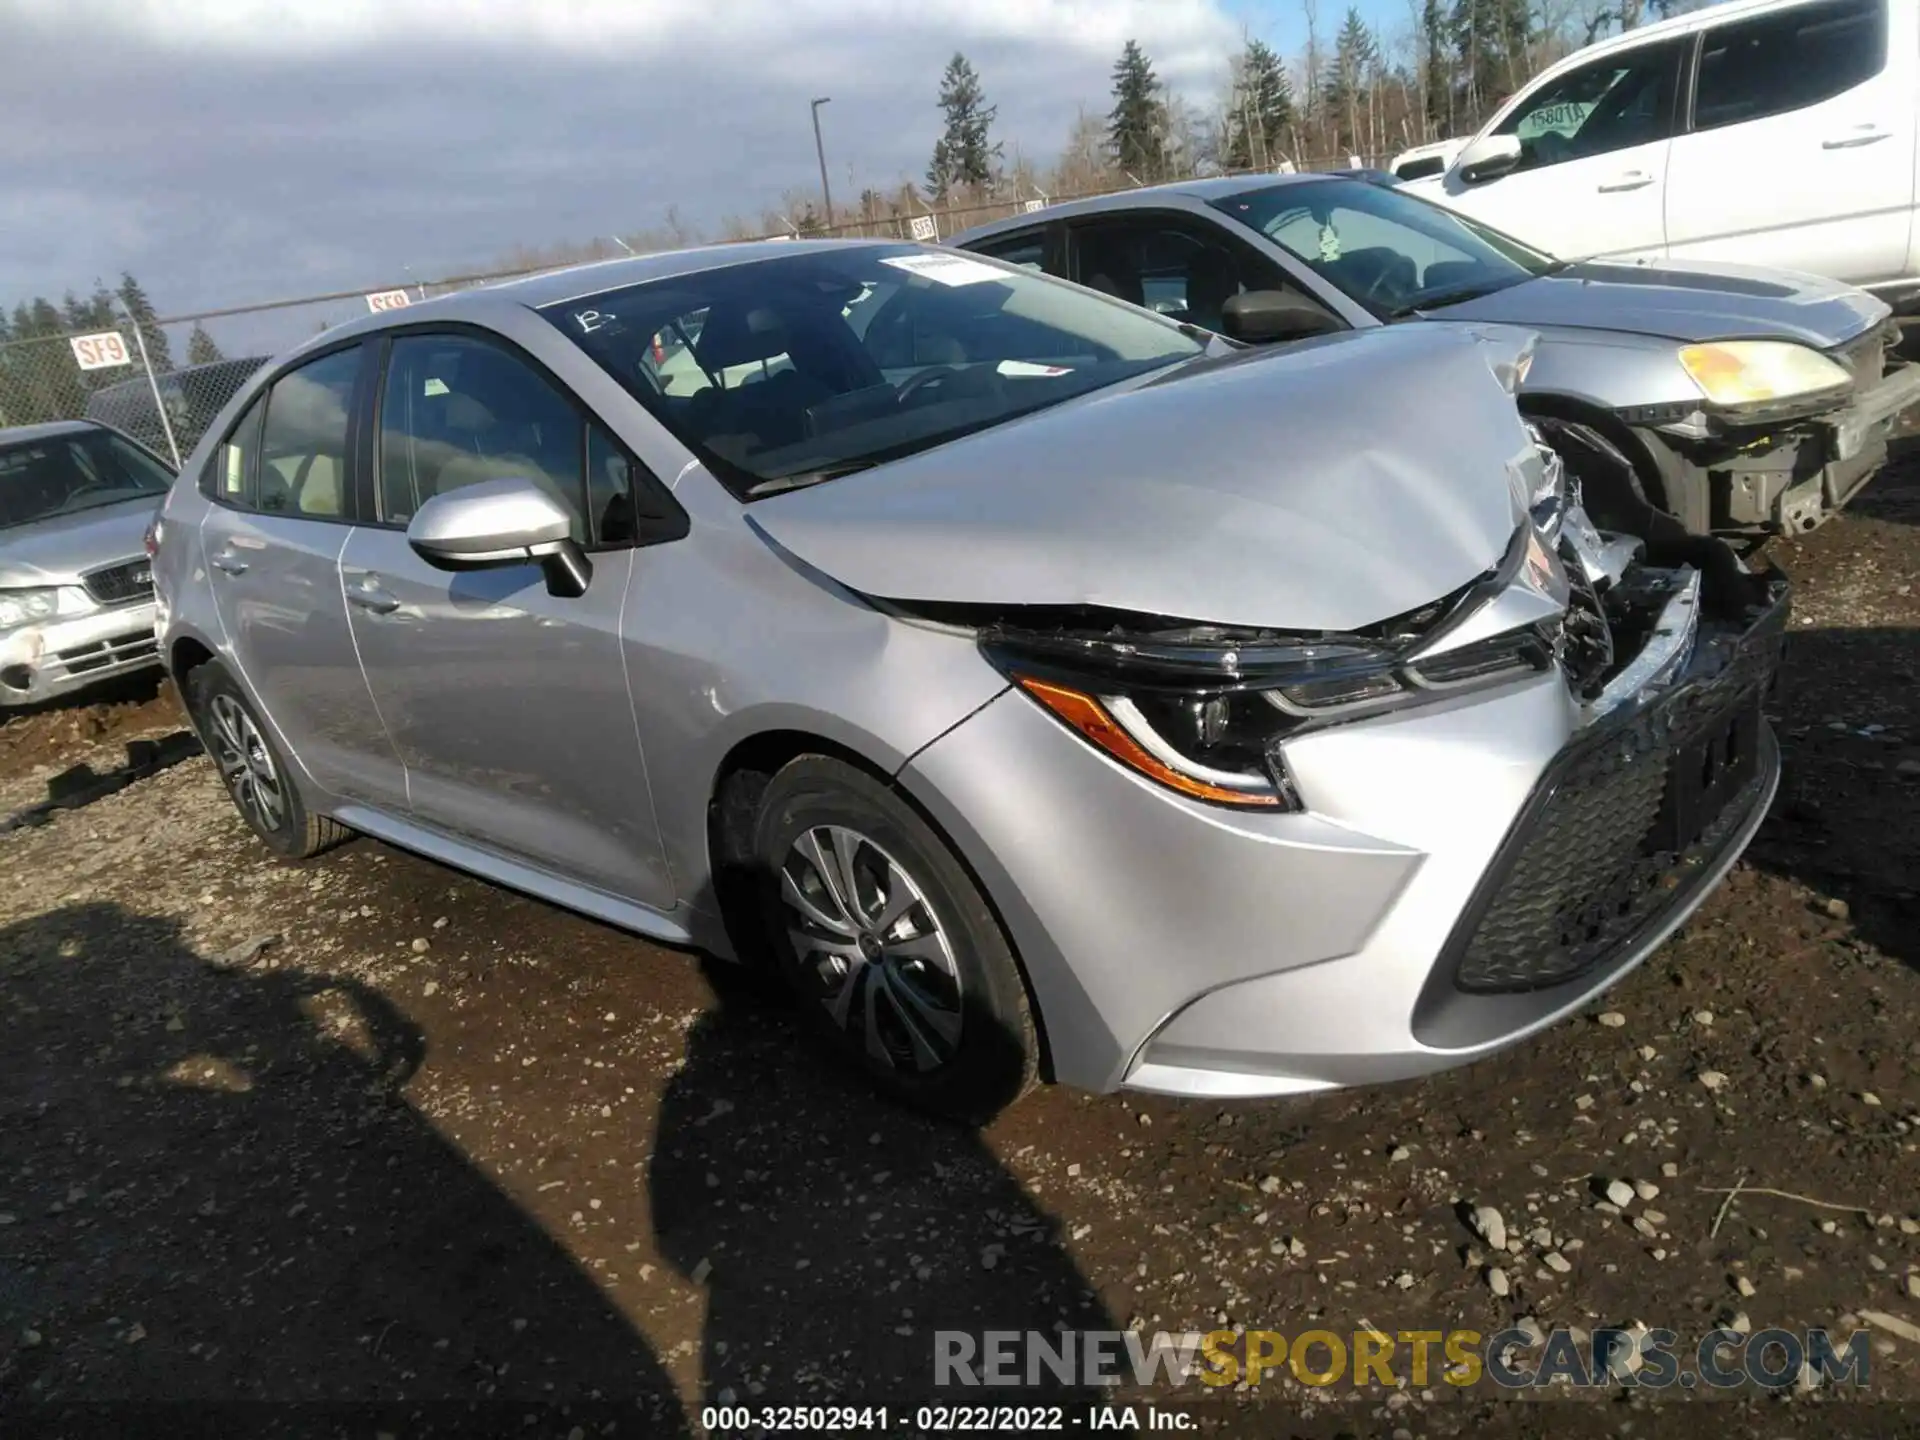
x=1029, y=367
x=945, y=269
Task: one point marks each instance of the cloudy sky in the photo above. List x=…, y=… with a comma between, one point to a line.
x=228, y=151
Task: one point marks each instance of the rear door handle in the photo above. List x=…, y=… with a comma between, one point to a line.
x=1864, y=135
x=228, y=563
x=1627, y=180
x=368, y=595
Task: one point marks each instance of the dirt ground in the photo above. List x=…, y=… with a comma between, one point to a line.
x=364, y=1131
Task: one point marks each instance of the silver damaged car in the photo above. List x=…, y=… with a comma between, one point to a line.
x=1750, y=402
x=1044, y=688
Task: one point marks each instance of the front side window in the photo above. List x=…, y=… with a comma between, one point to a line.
x=302, y=468
x=1392, y=252
x=1787, y=59
x=456, y=410
x=45, y=479
x=1614, y=103
x=809, y=365
x=1026, y=248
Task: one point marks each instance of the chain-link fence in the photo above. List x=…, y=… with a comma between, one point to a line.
x=162, y=380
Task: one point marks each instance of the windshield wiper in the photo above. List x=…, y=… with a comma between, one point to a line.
x=1440, y=299
x=800, y=479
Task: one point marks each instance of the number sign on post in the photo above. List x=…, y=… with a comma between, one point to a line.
x=102, y=351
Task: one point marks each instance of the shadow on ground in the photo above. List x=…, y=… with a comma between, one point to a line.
x=215, y=1191
x=1847, y=820
x=834, y=1232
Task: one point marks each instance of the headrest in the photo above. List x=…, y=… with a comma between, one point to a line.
x=732, y=337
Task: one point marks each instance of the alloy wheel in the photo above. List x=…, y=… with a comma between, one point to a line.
x=871, y=949
x=246, y=764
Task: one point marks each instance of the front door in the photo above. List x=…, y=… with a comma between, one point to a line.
x=282, y=486
x=1594, y=145
x=1801, y=149
x=509, y=705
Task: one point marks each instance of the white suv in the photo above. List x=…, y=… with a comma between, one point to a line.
x=1767, y=132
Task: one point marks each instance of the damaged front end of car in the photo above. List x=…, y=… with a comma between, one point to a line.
x=1666, y=645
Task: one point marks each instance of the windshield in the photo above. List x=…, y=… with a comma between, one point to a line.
x=1390, y=251
x=40, y=479
x=782, y=372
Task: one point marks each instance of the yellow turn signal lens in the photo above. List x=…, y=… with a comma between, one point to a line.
x=1092, y=719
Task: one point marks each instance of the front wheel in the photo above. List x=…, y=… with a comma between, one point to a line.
x=895, y=955
x=252, y=769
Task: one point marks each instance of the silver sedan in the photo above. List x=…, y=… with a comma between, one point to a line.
x=1044, y=688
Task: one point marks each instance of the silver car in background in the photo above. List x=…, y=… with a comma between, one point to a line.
x=1042, y=687
x=1748, y=402
x=76, y=588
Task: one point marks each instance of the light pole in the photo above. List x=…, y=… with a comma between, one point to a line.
x=820, y=152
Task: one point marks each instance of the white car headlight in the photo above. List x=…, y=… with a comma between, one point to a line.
x=27, y=607
x=1753, y=372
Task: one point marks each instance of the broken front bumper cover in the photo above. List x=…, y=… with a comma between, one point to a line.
x=1623, y=836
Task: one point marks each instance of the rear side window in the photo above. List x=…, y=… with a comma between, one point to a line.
x=1028, y=249
x=1788, y=60
x=302, y=466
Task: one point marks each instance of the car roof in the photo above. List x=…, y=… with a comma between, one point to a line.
x=574, y=282
x=1202, y=191
x=47, y=430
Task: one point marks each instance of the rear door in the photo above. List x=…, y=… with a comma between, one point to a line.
x=1594, y=147
x=509, y=706
x=1800, y=151
x=282, y=486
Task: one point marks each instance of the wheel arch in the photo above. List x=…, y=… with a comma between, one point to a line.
x=733, y=805
x=1665, y=489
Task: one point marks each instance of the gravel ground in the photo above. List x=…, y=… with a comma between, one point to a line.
x=364, y=1130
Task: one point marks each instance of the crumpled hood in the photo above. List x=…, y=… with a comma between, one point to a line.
x=57, y=550
x=1323, y=486
x=1686, y=302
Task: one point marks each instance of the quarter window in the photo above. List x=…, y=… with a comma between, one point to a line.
x=1787, y=60
x=457, y=410
x=1620, y=101
x=229, y=476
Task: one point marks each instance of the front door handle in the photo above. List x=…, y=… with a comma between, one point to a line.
x=368, y=595
x=1863, y=135
x=228, y=563
x=1627, y=180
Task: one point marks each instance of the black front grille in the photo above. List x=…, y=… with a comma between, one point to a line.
x=1620, y=824
x=121, y=584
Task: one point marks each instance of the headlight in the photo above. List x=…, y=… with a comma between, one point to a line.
x=1750, y=372
x=27, y=607
x=1204, y=710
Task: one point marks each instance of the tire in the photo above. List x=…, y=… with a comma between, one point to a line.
x=920, y=988
x=252, y=768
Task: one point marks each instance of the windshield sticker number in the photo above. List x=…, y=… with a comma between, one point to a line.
x=1329, y=243
x=944, y=269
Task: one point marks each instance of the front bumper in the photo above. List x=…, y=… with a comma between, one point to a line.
x=47, y=662
x=1405, y=924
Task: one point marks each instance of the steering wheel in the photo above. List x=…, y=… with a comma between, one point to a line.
x=929, y=376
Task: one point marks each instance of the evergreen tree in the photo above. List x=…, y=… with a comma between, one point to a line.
x=1439, y=79
x=963, y=157
x=1262, y=110
x=200, y=348
x=141, y=311
x=1491, y=38
x=1136, y=124
x=1355, y=54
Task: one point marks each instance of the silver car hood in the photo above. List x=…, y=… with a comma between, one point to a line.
x=1687, y=302
x=1323, y=486
x=57, y=550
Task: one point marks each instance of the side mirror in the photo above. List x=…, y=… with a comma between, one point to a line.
x=501, y=522
x=1488, y=158
x=1263, y=316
